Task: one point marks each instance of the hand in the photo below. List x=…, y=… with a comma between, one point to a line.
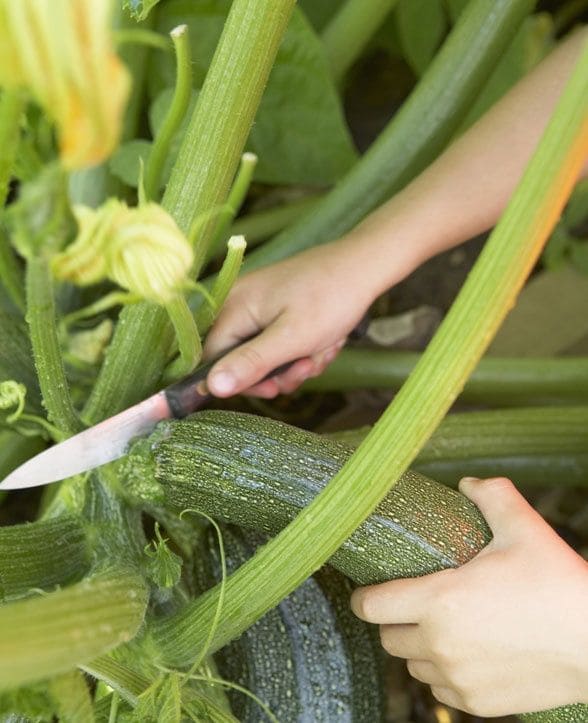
x=304, y=308
x=506, y=633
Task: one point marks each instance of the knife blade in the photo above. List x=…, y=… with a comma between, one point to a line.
x=110, y=439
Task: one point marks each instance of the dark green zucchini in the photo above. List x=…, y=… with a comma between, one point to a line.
x=310, y=660
x=259, y=473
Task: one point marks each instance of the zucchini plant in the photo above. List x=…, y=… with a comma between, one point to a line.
x=109, y=280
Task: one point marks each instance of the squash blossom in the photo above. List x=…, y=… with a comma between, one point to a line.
x=141, y=249
x=61, y=51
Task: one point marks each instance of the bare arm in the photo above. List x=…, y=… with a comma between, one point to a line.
x=304, y=307
x=464, y=192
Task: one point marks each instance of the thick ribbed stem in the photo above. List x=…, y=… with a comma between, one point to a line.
x=46, y=351
x=51, y=634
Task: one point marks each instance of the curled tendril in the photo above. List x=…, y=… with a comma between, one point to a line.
x=12, y=394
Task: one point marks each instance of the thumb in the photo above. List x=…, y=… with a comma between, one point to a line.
x=252, y=361
x=504, y=508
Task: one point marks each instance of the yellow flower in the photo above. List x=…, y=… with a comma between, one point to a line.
x=141, y=249
x=61, y=51
x=149, y=255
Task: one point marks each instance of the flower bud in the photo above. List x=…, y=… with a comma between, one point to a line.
x=141, y=249
x=149, y=255
x=61, y=51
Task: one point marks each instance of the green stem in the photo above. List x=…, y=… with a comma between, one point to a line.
x=113, y=713
x=495, y=382
x=188, y=336
x=483, y=302
x=201, y=179
x=141, y=36
x=46, y=351
x=234, y=202
x=417, y=133
x=175, y=115
x=351, y=28
x=223, y=283
x=534, y=446
x=46, y=635
x=260, y=225
x=12, y=104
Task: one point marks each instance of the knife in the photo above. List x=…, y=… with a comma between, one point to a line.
x=110, y=439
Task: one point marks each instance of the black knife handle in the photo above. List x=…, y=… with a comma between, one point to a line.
x=190, y=394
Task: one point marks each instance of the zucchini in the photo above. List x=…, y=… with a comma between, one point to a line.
x=260, y=473
x=310, y=660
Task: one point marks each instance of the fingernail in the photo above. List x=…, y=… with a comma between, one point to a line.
x=222, y=383
x=469, y=479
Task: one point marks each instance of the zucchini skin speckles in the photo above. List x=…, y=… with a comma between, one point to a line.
x=260, y=473
x=310, y=660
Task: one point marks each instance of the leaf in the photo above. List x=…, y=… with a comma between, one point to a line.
x=125, y=162
x=139, y=9
x=300, y=135
x=531, y=43
x=421, y=27
x=548, y=317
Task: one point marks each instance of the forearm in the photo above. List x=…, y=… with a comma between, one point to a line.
x=465, y=190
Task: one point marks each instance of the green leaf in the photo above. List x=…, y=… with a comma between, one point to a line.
x=139, y=9
x=126, y=161
x=547, y=318
x=421, y=27
x=300, y=135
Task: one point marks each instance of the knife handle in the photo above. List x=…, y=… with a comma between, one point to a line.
x=190, y=394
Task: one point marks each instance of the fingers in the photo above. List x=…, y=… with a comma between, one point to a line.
x=506, y=511
x=403, y=641
x=426, y=672
x=399, y=601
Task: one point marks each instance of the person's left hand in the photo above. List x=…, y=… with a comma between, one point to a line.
x=506, y=633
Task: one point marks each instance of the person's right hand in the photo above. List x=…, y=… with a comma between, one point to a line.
x=301, y=308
